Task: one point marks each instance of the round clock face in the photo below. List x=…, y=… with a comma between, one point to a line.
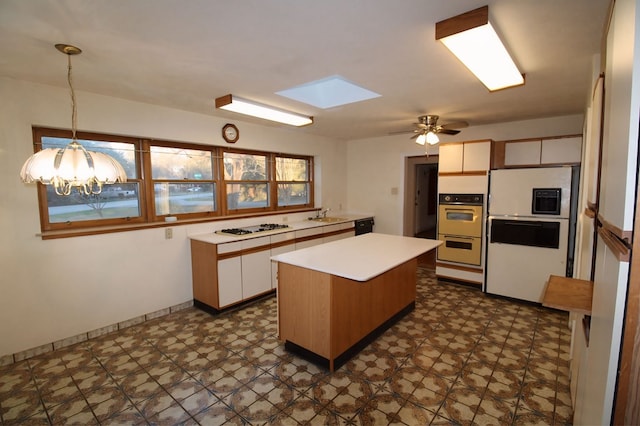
x=230, y=133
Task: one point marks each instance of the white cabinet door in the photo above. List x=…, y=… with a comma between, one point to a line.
x=450, y=157
x=561, y=151
x=477, y=156
x=229, y=281
x=522, y=153
x=256, y=273
x=256, y=266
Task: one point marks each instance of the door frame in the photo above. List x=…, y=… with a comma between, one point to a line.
x=410, y=163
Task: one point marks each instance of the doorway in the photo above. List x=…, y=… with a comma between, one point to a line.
x=421, y=202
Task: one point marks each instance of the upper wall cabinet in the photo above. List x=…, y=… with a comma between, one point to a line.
x=464, y=157
x=522, y=153
x=561, y=151
x=537, y=152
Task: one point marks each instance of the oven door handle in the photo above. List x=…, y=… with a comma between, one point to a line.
x=453, y=209
x=460, y=237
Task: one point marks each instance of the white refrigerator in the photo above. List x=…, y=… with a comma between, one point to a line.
x=528, y=230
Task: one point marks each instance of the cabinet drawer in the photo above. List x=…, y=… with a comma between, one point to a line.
x=229, y=247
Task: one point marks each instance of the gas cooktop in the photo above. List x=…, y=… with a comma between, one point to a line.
x=252, y=229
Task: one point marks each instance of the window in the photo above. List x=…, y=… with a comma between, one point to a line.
x=183, y=180
x=294, y=184
x=246, y=181
x=165, y=178
x=116, y=204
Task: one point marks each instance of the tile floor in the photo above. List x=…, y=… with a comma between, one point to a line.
x=459, y=358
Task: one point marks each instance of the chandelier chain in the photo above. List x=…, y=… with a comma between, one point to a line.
x=74, y=109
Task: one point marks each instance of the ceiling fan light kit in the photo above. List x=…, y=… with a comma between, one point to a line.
x=429, y=137
x=473, y=40
x=254, y=109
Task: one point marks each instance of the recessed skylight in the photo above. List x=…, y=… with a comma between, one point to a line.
x=328, y=92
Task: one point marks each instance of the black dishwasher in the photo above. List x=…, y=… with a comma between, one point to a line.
x=364, y=226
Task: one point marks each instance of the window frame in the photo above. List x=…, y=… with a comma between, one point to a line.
x=148, y=215
x=308, y=182
x=268, y=181
x=150, y=181
x=46, y=224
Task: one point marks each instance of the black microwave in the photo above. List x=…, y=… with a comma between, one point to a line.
x=546, y=201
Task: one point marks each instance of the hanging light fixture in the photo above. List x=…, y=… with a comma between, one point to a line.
x=72, y=166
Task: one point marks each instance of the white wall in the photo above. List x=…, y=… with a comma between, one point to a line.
x=54, y=289
x=376, y=166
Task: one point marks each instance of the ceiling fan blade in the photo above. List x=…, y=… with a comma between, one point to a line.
x=415, y=136
x=455, y=125
x=449, y=131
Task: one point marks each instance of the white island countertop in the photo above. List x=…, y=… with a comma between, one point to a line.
x=359, y=258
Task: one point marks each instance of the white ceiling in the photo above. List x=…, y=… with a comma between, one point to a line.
x=185, y=53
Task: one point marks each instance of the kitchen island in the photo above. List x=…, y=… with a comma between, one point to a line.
x=333, y=299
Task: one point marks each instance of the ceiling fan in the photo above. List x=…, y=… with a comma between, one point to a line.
x=428, y=128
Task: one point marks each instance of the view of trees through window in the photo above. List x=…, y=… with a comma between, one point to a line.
x=184, y=180
x=246, y=180
x=292, y=176
x=115, y=201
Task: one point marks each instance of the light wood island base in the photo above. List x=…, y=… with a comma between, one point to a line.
x=333, y=317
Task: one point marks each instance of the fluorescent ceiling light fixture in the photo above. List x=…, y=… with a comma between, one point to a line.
x=328, y=92
x=254, y=109
x=476, y=44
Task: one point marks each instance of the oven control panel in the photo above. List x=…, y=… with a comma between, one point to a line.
x=467, y=199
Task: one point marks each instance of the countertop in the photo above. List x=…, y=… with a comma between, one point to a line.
x=213, y=238
x=359, y=258
x=569, y=294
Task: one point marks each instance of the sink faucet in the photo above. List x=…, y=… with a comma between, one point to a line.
x=321, y=213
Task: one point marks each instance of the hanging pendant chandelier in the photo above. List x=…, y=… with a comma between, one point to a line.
x=72, y=166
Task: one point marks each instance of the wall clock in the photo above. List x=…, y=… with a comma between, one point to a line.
x=230, y=133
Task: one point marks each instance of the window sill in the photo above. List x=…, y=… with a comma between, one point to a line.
x=52, y=235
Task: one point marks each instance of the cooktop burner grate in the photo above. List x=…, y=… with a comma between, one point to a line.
x=252, y=229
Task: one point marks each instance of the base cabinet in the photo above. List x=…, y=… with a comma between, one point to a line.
x=229, y=273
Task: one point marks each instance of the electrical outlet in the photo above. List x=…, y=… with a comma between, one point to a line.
x=168, y=233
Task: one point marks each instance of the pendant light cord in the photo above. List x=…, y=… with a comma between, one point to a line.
x=74, y=112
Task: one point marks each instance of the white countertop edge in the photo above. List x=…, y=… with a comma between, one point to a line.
x=359, y=258
x=214, y=238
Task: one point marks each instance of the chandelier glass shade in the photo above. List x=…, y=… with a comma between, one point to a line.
x=72, y=166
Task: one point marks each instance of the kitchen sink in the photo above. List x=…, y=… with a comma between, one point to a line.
x=329, y=219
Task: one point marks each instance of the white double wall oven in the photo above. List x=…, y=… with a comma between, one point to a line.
x=529, y=229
